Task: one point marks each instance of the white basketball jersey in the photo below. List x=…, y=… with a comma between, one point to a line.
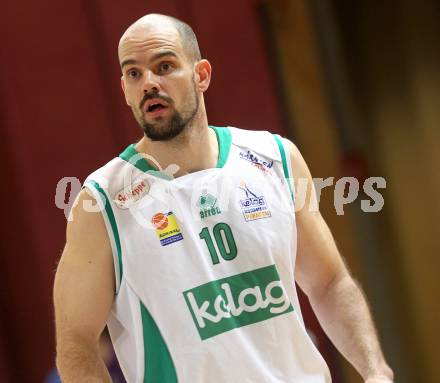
x=204, y=267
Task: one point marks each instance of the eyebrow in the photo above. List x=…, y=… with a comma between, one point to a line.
x=163, y=54
x=155, y=57
x=128, y=62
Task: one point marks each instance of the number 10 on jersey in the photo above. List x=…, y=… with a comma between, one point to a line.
x=223, y=238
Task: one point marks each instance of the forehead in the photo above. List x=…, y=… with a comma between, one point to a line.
x=149, y=40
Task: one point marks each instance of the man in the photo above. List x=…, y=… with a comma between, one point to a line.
x=193, y=268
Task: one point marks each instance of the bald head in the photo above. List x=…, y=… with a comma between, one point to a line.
x=154, y=21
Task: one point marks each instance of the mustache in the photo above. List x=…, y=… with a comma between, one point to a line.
x=150, y=96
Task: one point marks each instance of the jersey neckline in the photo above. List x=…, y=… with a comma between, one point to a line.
x=224, y=140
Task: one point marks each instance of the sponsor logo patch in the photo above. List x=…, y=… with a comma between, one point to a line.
x=264, y=165
x=208, y=205
x=129, y=195
x=254, y=205
x=167, y=228
x=237, y=301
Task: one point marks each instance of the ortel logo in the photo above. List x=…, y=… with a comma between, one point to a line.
x=208, y=205
x=237, y=301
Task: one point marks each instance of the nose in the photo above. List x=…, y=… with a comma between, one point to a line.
x=151, y=83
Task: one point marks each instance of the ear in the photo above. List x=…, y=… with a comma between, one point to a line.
x=123, y=89
x=203, y=71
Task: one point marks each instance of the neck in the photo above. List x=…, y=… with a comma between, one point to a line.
x=194, y=149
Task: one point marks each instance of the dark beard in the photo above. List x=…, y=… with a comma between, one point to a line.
x=176, y=126
x=177, y=123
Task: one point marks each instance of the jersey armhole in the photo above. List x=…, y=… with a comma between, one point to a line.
x=111, y=226
x=287, y=165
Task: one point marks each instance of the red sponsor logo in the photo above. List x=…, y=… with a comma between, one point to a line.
x=132, y=193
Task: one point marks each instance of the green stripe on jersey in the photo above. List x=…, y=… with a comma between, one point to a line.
x=131, y=155
x=158, y=364
x=224, y=139
x=112, y=220
x=285, y=167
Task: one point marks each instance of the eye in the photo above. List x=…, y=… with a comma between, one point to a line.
x=133, y=73
x=165, y=67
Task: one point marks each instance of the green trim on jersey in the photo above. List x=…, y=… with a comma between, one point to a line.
x=158, y=364
x=286, y=169
x=224, y=139
x=128, y=155
x=131, y=155
x=112, y=220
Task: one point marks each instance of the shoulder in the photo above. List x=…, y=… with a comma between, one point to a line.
x=245, y=137
x=298, y=164
x=116, y=176
x=85, y=222
x=259, y=141
x=107, y=173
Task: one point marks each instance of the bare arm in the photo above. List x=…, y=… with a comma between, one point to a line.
x=335, y=297
x=83, y=295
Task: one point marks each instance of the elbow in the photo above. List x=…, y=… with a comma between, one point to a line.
x=73, y=353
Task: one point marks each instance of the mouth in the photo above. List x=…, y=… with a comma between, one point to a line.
x=155, y=107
